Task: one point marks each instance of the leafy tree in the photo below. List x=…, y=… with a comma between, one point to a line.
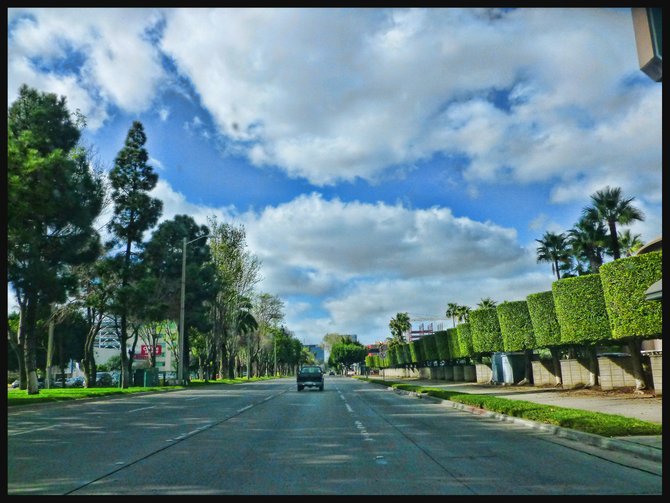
x=553, y=249
x=609, y=207
x=162, y=256
x=53, y=200
x=237, y=271
x=346, y=354
x=135, y=211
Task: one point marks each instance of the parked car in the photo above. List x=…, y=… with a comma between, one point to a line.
x=331, y=373
x=74, y=382
x=310, y=376
x=16, y=384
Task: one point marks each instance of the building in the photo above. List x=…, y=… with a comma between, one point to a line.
x=317, y=351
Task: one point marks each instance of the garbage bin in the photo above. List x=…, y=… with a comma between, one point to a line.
x=497, y=375
x=514, y=367
x=151, y=377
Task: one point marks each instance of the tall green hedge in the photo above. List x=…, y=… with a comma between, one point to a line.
x=454, y=345
x=406, y=354
x=442, y=343
x=392, y=356
x=624, y=283
x=516, y=326
x=485, y=329
x=430, y=347
x=543, y=316
x=465, y=339
x=580, y=310
x=413, y=352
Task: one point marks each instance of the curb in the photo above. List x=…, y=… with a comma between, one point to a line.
x=612, y=444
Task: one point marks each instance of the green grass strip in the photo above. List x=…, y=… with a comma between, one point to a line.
x=598, y=423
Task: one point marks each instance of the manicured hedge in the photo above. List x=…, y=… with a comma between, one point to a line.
x=413, y=352
x=392, y=356
x=454, y=345
x=442, y=343
x=430, y=347
x=406, y=354
x=465, y=339
x=485, y=329
x=624, y=283
x=543, y=316
x=580, y=310
x=516, y=326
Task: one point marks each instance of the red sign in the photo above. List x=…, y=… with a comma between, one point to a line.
x=146, y=350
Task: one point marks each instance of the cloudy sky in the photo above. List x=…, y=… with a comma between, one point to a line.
x=380, y=160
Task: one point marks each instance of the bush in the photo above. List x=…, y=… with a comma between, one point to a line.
x=543, y=317
x=624, y=282
x=442, y=343
x=516, y=326
x=580, y=310
x=430, y=347
x=454, y=345
x=485, y=329
x=465, y=339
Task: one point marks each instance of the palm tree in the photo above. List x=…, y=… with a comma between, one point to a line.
x=399, y=325
x=610, y=208
x=553, y=249
x=452, y=309
x=486, y=302
x=629, y=243
x=588, y=241
x=463, y=313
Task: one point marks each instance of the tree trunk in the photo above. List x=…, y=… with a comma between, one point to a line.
x=555, y=358
x=634, y=345
x=29, y=351
x=593, y=366
x=50, y=352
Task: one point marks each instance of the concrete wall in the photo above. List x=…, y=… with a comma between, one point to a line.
x=615, y=372
x=543, y=373
x=483, y=373
x=656, y=362
x=469, y=373
x=458, y=373
x=575, y=373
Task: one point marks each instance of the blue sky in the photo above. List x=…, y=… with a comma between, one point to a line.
x=381, y=160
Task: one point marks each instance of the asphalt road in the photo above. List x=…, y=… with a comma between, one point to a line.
x=265, y=438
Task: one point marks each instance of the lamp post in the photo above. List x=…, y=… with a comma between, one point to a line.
x=180, y=367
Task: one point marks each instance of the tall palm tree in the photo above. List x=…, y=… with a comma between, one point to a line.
x=486, y=302
x=629, y=243
x=463, y=313
x=398, y=325
x=553, y=249
x=612, y=209
x=452, y=309
x=588, y=241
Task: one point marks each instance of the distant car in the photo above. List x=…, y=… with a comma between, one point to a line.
x=16, y=384
x=74, y=382
x=331, y=373
x=310, y=376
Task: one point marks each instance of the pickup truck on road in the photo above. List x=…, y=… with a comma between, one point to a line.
x=310, y=376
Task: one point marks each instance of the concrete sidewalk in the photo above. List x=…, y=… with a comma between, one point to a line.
x=628, y=404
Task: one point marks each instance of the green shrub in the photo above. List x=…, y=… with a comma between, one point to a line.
x=430, y=347
x=485, y=329
x=516, y=326
x=413, y=353
x=465, y=339
x=442, y=343
x=580, y=310
x=406, y=354
x=624, y=283
x=369, y=361
x=454, y=345
x=392, y=356
x=543, y=316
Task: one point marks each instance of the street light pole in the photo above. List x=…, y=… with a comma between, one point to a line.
x=182, y=340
